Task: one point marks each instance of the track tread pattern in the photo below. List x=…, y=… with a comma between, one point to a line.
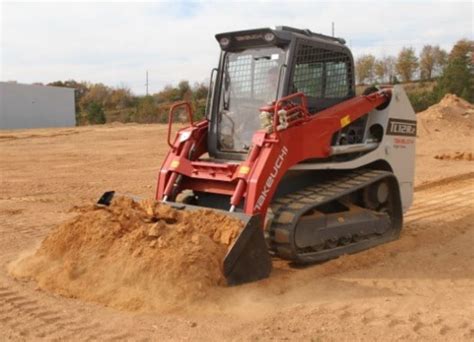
x=287, y=209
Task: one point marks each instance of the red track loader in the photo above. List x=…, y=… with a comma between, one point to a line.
x=312, y=170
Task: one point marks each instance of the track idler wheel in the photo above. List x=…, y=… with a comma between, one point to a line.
x=376, y=195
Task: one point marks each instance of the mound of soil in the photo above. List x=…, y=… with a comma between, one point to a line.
x=451, y=114
x=133, y=255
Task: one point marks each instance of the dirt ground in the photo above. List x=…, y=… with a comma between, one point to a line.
x=420, y=287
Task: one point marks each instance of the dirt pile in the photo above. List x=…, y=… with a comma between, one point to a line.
x=451, y=114
x=134, y=256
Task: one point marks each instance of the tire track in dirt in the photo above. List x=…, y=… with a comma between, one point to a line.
x=15, y=239
x=445, y=181
x=8, y=137
x=27, y=316
x=435, y=203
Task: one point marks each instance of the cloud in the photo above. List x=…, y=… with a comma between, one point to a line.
x=115, y=43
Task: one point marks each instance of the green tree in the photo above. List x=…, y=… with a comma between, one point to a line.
x=458, y=75
x=456, y=79
x=95, y=113
x=406, y=64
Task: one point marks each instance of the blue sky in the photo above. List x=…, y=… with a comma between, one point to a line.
x=115, y=43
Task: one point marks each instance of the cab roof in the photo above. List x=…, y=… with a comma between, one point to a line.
x=280, y=36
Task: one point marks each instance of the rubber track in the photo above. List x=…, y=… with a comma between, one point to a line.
x=289, y=208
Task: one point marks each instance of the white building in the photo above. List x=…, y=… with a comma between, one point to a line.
x=35, y=106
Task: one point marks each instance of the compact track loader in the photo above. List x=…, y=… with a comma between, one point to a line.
x=312, y=170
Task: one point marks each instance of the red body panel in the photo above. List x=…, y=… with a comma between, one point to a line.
x=255, y=180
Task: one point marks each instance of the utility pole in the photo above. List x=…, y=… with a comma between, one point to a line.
x=146, y=83
x=332, y=25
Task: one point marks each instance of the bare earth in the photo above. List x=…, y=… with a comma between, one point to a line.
x=420, y=287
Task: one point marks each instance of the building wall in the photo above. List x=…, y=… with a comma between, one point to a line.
x=34, y=106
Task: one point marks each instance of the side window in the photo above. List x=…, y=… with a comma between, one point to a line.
x=336, y=79
x=308, y=78
x=321, y=73
x=308, y=73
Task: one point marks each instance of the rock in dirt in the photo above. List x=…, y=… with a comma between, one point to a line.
x=134, y=256
x=455, y=156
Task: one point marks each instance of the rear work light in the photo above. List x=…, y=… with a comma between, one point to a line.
x=269, y=37
x=224, y=42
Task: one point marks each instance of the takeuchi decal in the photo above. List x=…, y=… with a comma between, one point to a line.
x=271, y=178
x=401, y=127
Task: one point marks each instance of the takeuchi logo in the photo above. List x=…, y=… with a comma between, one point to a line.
x=401, y=127
x=271, y=178
x=249, y=37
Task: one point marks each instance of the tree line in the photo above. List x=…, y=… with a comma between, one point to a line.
x=441, y=71
x=451, y=72
x=97, y=103
x=404, y=67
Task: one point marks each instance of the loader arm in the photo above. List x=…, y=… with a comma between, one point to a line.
x=272, y=154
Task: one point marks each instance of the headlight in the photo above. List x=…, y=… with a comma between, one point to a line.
x=224, y=42
x=269, y=37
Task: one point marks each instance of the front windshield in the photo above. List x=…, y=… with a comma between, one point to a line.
x=250, y=80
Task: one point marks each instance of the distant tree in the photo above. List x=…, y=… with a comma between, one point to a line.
x=441, y=58
x=146, y=109
x=185, y=92
x=120, y=98
x=463, y=48
x=168, y=94
x=389, y=65
x=380, y=70
x=199, y=91
x=95, y=113
x=406, y=64
x=98, y=93
x=183, y=87
x=458, y=75
x=432, y=60
x=365, y=68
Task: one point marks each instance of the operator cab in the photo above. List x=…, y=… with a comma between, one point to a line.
x=256, y=67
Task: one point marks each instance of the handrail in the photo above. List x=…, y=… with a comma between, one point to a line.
x=170, y=116
x=304, y=105
x=210, y=97
x=279, y=79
